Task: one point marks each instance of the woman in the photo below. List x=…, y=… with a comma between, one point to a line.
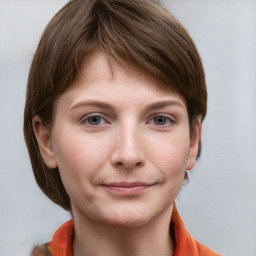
x=115, y=100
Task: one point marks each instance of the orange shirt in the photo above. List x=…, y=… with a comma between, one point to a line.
x=184, y=245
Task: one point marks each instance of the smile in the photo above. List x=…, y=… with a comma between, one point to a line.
x=126, y=188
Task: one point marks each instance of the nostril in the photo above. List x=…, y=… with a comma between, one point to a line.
x=139, y=164
x=120, y=164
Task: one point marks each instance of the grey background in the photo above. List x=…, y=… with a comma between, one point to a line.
x=219, y=204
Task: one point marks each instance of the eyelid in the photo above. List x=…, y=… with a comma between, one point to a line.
x=94, y=114
x=171, y=118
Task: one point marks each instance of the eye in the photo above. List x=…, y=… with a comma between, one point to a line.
x=94, y=120
x=161, y=120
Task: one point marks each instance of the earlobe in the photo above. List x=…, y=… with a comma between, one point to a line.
x=194, y=145
x=43, y=138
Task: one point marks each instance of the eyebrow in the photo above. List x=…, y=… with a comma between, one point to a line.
x=92, y=103
x=164, y=103
x=150, y=107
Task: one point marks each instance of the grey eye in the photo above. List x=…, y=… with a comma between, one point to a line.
x=95, y=120
x=161, y=120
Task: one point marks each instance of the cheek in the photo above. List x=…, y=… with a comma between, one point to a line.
x=170, y=159
x=78, y=157
x=169, y=153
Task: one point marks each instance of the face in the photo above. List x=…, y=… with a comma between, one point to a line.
x=121, y=142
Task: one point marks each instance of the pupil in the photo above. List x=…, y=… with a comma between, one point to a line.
x=94, y=120
x=160, y=120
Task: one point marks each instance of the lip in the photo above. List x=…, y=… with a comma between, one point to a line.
x=127, y=188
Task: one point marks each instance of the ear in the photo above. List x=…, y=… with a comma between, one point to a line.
x=43, y=138
x=194, y=144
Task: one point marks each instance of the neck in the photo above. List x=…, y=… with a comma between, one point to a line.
x=97, y=239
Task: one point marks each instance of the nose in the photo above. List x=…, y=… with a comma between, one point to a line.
x=128, y=150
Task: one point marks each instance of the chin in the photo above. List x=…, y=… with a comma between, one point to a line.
x=127, y=222
x=128, y=217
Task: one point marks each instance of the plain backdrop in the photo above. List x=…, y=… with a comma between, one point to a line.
x=218, y=205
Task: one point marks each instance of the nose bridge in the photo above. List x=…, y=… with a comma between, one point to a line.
x=128, y=145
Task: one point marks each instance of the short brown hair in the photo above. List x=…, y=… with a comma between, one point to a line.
x=140, y=32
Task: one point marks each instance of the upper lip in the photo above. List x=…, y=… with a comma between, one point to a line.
x=127, y=184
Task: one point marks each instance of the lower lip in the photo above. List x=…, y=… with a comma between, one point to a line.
x=133, y=190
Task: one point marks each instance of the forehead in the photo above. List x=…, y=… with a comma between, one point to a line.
x=102, y=78
x=97, y=66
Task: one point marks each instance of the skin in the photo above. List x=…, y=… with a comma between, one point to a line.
x=122, y=143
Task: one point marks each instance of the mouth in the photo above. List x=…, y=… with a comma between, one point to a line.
x=127, y=188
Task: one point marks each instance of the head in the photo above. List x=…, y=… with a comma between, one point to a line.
x=137, y=32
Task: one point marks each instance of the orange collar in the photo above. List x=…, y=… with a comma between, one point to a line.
x=184, y=245
x=62, y=240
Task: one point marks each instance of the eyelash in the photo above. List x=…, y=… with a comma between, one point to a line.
x=102, y=117
x=167, y=118
x=86, y=119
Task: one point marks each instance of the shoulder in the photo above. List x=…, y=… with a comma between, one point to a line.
x=40, y=250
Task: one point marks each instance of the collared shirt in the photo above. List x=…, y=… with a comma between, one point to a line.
x=184, y=244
